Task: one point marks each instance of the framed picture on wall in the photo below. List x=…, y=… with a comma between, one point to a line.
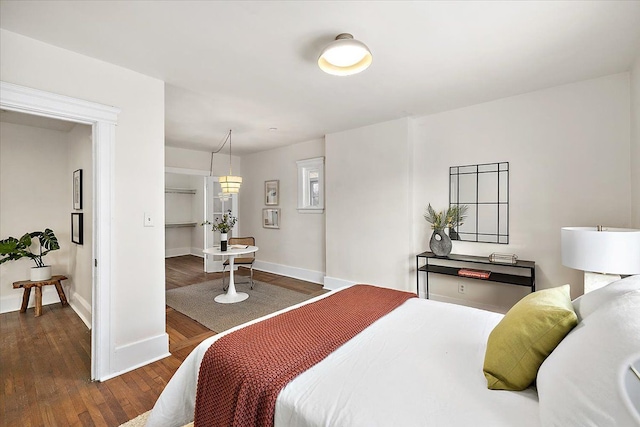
x=271, y=218
x=271, y=192
x=77, y=189
x=76, y=228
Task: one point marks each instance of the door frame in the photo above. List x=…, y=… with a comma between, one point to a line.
x=103, y=120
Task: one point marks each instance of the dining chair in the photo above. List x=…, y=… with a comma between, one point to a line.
x=247, y=259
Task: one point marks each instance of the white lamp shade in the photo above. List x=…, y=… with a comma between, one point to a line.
x=230, y=184
x=613, y=250
x=345, y=56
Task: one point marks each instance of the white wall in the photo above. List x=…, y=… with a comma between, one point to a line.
x=80, y=261
x=297, y=247
x=137, y=287
x=635, y=143
x=368, y=206
x=568, y=149
x=35, y=194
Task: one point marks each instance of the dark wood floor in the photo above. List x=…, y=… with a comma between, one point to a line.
x=45, y=361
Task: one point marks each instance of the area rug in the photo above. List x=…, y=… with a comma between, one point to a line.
x=141, y=421
x=196, y=301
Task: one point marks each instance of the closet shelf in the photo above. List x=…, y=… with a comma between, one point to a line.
x=180, y=190
x=180, y=224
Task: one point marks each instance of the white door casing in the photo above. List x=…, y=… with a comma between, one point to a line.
x=103, y=119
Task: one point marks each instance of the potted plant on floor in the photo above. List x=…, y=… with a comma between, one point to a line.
x=223, y=225
x=12, y=249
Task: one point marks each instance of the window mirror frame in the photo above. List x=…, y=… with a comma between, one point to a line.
x=306, y=168
x=500, y=202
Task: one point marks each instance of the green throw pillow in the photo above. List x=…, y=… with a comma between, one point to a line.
x=526, y=335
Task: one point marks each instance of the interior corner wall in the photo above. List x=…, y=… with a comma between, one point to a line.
x=137, y=327
x=635, y=143
x=568, y=151
x=35, y=194
x=80, y=262
x=297, y=248
x=367, y=199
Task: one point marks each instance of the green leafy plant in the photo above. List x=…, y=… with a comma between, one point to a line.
x=12, y=249
x=451, y=218
x=223, y=224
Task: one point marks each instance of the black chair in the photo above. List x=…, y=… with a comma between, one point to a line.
x=247, y=259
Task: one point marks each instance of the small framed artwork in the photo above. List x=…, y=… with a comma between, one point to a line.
x=271, y=218
x=77, y=189
x=271, y=192
x=76, y=228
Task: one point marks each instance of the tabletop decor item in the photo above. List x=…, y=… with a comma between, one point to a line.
x=440, y=242
x=12, y=249
x=503, y=258
x=223, y=225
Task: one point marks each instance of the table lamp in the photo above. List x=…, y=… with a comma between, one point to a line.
x=602, y=253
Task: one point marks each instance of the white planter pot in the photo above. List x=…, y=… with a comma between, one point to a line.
x=39, y=274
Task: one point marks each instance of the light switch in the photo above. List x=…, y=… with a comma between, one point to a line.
x=148, y=221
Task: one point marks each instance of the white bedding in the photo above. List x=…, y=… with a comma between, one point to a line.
x=420, y=365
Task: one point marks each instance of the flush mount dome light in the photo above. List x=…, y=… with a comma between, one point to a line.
x=345, y=56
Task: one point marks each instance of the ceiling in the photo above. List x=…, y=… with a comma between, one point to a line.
x=17, y=118
x=251, y=65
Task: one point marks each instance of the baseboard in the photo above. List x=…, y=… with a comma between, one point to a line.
x=333, y=283
x=171, y=252
x=82, y=308
x=13, y=302
x=285, y=270
x=468, y=303
x=197, y=252
x=134, y=355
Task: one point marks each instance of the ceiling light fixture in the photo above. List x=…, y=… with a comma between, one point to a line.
x=230, y=184
x=345, y=56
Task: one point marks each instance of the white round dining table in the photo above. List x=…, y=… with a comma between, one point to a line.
x=231, y=296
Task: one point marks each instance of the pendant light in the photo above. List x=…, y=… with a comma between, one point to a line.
x=230, y=183
x=345, y=56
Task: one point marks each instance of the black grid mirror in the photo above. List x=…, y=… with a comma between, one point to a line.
x=484, y=189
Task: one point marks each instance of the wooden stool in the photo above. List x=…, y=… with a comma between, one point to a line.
x=28, y=284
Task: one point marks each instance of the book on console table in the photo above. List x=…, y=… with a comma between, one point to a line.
x=476, y=274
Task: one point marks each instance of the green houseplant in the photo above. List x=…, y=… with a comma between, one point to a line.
x=12, y=249
x=223, y=225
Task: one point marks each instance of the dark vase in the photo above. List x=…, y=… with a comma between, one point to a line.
x=440, y=243
x=223, y=242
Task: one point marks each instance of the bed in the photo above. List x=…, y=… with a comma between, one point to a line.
x=422, y=365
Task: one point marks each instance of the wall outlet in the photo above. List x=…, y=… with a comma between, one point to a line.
x=460, y=288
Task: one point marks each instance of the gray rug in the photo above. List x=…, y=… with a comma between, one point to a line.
x=196, y=301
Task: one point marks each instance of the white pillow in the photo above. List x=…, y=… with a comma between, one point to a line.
x=578, y=383
x=590, y=302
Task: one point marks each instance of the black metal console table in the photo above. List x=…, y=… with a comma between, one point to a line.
x=527, y=279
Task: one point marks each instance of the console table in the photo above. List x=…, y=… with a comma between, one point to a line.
x=522, y=273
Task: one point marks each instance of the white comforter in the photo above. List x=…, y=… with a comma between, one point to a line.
x=420, y=365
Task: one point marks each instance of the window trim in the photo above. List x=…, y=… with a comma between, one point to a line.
x=305, y=167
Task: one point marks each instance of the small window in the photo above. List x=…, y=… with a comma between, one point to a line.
x=311, y=185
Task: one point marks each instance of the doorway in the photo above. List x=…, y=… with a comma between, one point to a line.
x=102, y=119
x=191, y=198
x=37, y=201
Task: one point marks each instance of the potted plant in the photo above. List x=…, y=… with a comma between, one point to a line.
x=440, y=242
x=223, y=225
x=12, y=249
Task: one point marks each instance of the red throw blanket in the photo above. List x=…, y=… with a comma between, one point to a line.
x=242, y=373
